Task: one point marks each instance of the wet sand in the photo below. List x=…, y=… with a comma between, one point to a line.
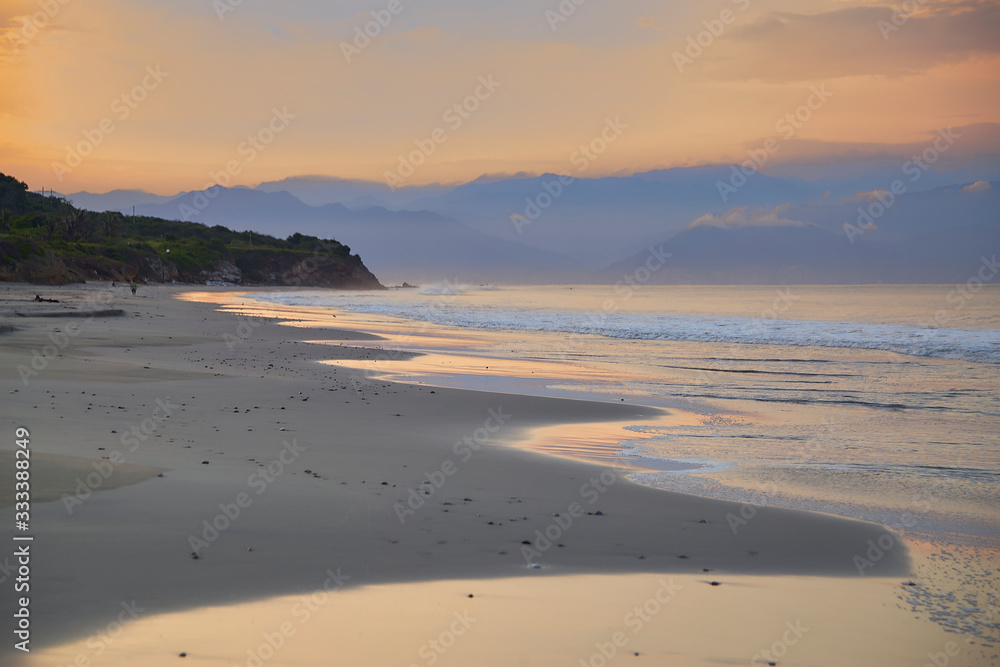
x=306, y=468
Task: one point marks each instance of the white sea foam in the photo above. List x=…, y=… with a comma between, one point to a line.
x=977, y=345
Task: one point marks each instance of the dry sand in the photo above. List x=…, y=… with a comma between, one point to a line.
x=326, y=468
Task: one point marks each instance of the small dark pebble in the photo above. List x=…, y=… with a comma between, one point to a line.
x=204, y=463
x=471, y=595
x=525, y=542
x=466, y=500
x=160, y=475
x=682, y=556
x=194, y=556
x=385, y=484
x=713, y=583
x=183, y=655
x=308, y=472
x=703, y=521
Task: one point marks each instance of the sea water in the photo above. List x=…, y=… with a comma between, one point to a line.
x=873, y=402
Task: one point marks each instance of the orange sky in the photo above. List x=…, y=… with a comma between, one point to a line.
x=65, y=66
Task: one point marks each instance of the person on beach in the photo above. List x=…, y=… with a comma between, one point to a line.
x=132, y=286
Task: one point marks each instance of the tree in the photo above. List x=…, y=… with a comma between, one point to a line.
x=51, y=224
x=110, y=222
x=77, y=224
x=5, y=219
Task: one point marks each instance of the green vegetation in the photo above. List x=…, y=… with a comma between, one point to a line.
x=47, y=239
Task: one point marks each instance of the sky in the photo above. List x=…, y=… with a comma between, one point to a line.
x=171, y=95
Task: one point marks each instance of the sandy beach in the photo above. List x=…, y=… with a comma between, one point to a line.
x=338, y=518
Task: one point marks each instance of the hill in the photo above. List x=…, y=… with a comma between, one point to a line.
x=48, y=240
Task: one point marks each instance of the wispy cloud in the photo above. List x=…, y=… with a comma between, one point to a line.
x=746, y=216
x=785, y=46
x=978, y=186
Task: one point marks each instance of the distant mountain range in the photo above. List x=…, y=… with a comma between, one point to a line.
x=719, y=224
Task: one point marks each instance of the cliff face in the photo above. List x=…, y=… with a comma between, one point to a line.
x=33, y=263
x=268, y=267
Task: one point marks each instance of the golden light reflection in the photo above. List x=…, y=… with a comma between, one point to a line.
x=538, y=620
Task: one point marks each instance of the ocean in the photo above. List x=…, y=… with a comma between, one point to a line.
x=878, y=402
x=875, y=402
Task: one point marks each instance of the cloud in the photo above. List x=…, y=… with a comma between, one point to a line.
x=22, y=22
x=856, y=41
x=975, y=139
x=869, y=195
x=978, y=186
x=745, y=216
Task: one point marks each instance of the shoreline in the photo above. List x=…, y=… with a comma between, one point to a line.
x=238, y=399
